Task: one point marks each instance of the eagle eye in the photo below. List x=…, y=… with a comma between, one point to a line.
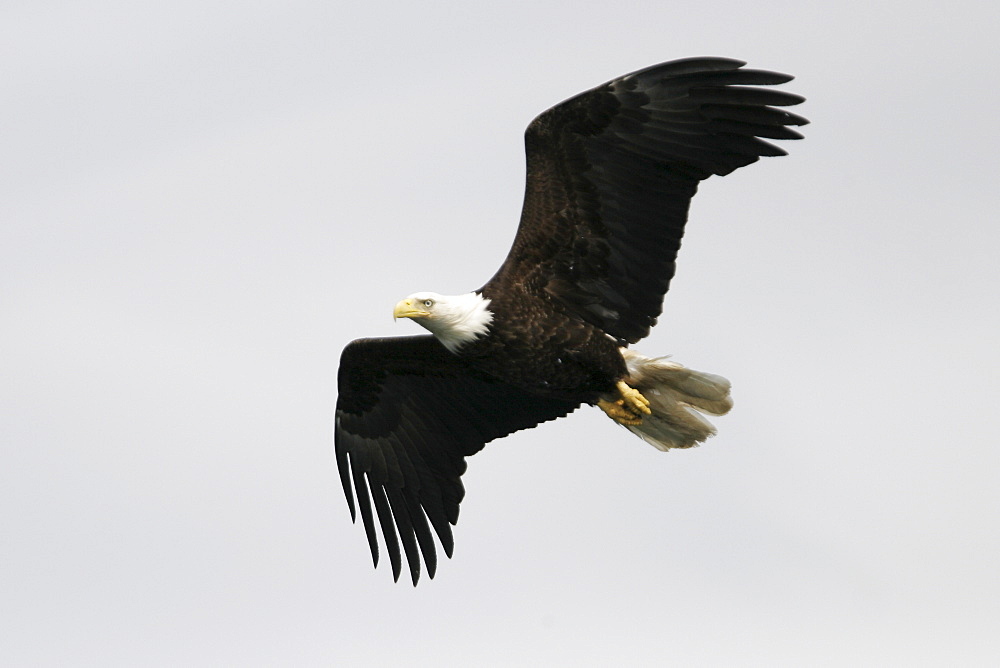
x=428, y=303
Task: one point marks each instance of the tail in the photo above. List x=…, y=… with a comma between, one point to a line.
x=675, y=395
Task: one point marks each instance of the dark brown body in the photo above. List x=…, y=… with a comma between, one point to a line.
x=536, y=345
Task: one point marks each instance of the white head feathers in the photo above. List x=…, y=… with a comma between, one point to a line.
x=454, y=319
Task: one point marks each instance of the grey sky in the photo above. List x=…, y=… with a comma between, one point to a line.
x=203, y=202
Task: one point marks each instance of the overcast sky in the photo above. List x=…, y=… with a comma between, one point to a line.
x=203, y=202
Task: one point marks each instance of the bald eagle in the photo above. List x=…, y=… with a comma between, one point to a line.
x=610, y=175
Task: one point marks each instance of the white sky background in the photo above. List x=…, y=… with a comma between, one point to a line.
x=203, y=202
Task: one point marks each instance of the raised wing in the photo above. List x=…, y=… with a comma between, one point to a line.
x=408, y=413
x=610, y=175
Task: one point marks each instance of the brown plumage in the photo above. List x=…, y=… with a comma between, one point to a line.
x=610, y=175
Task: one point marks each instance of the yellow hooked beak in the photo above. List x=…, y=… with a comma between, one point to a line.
x=407, y=309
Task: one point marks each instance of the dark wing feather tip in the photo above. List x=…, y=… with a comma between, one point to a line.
x=343, y=467
x=385, y=520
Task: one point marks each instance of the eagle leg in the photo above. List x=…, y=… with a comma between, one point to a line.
x=629, y=408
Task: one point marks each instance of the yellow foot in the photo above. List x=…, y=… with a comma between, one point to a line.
x=616, y=411
x=627, y=410
x=634, y=400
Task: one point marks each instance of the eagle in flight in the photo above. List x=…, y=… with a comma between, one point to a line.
x=610, y=175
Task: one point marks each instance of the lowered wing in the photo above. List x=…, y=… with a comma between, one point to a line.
x=408, y=414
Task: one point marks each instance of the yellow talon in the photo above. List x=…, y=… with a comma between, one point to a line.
x=636, y=402
x=629, y=409
x=616, y=411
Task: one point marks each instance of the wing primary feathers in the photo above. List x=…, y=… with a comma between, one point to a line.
x=343, y=467
x=683, y=66
x=755, y=129
x=437, y=515
x=388, y=528
x=748, y=77
x=424, y=538
x=406, y=530
x=364, y=504
x=738, y=95
x=760, y=115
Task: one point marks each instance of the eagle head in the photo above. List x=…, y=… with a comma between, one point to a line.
x=454, y=319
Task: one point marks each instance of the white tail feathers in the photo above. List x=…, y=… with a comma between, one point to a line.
x=675, y=395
